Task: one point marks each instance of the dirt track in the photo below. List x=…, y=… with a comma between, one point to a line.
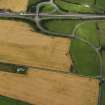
x=18, y=44
x=14, y=5
x=49, y=88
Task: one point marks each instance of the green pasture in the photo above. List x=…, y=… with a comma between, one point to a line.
x=90, y=2
x=9, y=101
x=84, y=58
x=69, y=7
x=86, y=61
x=103, y=94
x=82, y=6
x=60, y=25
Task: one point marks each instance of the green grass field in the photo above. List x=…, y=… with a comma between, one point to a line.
x=103, y=94
x=88, y=31
x=76, y=5
x=86, y=61
x=68, y=7
x=100, y=4
x=103, y=55
x=97, y=6
x=9, y=101
x=47, y=8
x=60, y=26
x=90, y=2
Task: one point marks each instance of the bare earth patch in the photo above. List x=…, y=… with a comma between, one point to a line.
x=19, y=45
x=14, y=5
x=49, y=88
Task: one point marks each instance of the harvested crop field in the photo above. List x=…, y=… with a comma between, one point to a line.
x=14, y=5
x=19, y=45
x=49, y=88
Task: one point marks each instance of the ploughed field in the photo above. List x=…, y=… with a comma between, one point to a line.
x=19, y=45
x=40, y=87
x=14, y=5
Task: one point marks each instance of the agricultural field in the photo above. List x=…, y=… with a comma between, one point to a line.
x=14, y=5
x=96, y=37
x=44, y=87
x=73, y=7
x=55, y=25
x=24, y=47
x=47, y=57
x=82, y=6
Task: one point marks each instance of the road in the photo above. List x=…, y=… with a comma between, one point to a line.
x=56, y=16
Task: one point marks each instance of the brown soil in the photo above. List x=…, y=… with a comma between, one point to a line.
x=18, y=44
x=14, y=5
x=49, y=88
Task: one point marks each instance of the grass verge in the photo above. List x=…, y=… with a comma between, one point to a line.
x=9, y=101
